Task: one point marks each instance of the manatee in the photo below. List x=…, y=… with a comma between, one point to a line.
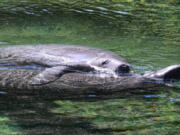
x=74, y=70
x=57, y=60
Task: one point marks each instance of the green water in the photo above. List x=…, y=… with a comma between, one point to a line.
x=145, y=32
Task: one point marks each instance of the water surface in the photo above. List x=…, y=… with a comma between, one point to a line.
x=146, y=33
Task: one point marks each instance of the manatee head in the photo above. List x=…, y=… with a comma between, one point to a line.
x=111, y=65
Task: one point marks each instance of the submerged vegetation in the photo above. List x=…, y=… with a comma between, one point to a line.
x=65, y=18
x=8, y=127
x=130, y=117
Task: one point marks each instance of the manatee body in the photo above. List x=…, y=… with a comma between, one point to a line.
x=56, y=60
x=73, y=70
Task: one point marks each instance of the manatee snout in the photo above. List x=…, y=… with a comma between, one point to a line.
x=122, y=69
x=110, y=65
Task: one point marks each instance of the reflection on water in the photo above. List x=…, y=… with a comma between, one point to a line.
x=145, y=33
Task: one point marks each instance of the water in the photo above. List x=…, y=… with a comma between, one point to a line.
x=146, y=33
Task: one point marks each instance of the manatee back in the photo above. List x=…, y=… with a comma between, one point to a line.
x=57, y=53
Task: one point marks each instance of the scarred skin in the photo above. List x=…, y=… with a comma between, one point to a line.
x=16, y=78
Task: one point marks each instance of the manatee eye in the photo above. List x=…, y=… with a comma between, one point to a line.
x=105, y=62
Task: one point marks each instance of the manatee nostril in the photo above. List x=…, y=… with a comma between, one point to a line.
x=123, y=69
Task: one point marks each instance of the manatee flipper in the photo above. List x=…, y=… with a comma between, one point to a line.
x=168, y=74
x=48, y=75
x=53, y=73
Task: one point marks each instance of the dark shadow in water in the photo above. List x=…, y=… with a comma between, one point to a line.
x=33, y=116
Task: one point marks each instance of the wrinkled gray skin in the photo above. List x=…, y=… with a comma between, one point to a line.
x=73, y=70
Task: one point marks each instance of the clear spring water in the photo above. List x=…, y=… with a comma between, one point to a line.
x=146, y=33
